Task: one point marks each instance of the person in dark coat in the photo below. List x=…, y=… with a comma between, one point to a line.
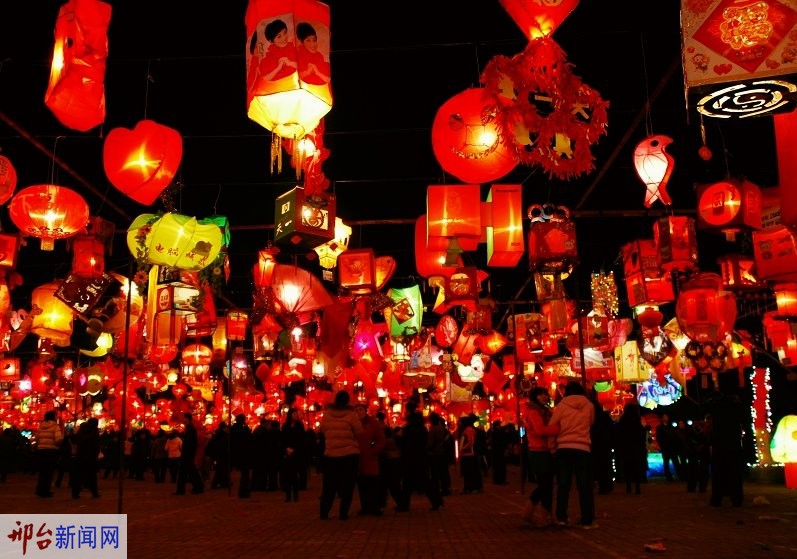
x=218, y=450
x=241, y=454
x=84, y=472
x=725, y=427
x=187, y=470
x=292, y=441
x=415, y=460
x=631, y=447
x=499, y=440
x=266, y=456
x=602, y=436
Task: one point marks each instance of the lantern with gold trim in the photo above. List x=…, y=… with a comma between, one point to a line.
x=49, y=212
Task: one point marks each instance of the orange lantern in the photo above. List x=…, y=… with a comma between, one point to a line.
x=538, y=19
x=143, y=161
x=730, y=206
x=237, y=322
x=705, y=312
x=55, y=320
x=430, y=261
x=287, y=90
x=196, y=354
x=8, y=179
x=357, y=271
x=76, y=90
x=88, y=257
x=676, y=243
x=504, y=225
x=466, y=139
x=49, y=212
x=9, y=248
x=493, y=342
x=786, y=299
x=654, y=166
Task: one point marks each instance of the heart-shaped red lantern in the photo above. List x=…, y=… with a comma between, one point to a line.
x=143, y=161
x=466, y=139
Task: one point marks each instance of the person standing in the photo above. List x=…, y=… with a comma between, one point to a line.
x=84, y=472
x=159, y=457
x=468, y=456
x=574, y=415
x=602, y=437
x=341, y=429
x=631, y=446
x=499, y=441
x=174, y=447
x=725, y=426
x=668, y=445
x=187, y=471
x=218, y=450
x=415, y=461
x=48, y=441
x=241, y=453
x=438, y=446
x=541, y=438
x=292, y=439
x=372, y=441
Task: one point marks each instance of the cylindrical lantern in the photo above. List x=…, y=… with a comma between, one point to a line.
x=76, y=90
x=237, y=322
x=55, y=320
x=8, y=179
x=676, y=243
x=705, y=312
x=143, y=161
x=287, y=59
x=88, y=257
x=466, y=139
x=49, y=212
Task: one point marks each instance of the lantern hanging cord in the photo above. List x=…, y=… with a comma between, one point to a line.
x=216, y=201
x=52, y=160
x=648, y=116
x=146, y=87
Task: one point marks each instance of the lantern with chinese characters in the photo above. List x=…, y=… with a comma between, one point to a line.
x=705, y=312
x=288, y=86
x=143, y=161
x=676, y=243
x=174, y=241
x=55, y=320
x=357, y=271
x=775, y=254
x=49, y=212
x=467, y=141
x=88, y=257
x=302, y=222
x=729, y=206
x=503, y=222
x=654, y=166
x=8, y=179
x=76, y=90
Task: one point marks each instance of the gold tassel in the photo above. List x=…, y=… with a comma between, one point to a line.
x=299, y=156
x=276, y=153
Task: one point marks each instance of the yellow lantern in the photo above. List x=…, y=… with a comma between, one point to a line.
x=329, y=251
x=175, y=241
x=104, y=343
x=55, y=320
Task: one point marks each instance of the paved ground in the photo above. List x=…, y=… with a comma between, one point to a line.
x=217, y=524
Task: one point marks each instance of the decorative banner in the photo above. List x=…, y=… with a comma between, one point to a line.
x=739, y=58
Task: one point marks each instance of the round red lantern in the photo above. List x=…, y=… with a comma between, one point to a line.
x=49, y=212
x=143, y=161
x=466, y=139
x=704, y=311
x=197, y=354
x=8, y=179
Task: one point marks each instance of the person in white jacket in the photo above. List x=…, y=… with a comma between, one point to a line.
x=574, y=415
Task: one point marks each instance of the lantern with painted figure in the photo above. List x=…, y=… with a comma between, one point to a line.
x=76, y=89
x=49, y=212
x=174, y=241
x=466, y=139
x=287, y=85
x=143, y=161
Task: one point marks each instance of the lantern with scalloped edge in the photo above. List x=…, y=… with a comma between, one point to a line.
x=76, y=90
x=283, y=94
x=705, y=312
x=55, y=320
x=143, y=161
x=466, y=139
x=8, y=179
x=174, y=241
x=49, y=212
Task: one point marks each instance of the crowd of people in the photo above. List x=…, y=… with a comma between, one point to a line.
x=354, y=449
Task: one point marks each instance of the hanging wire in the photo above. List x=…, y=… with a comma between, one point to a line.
x=216, y=201
x=52, y=161
x=648, y=114
x=478, y=64
x=146, y=87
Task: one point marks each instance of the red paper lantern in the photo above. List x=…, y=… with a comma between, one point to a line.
x=552, y=239
x=430, y=261
x=143, y=161
x=357, y=271
x=76, y=90
x=88, y=257
x=504, y=225
x=49, y=212
x=467, y=141
x=654, y=166
x=453, y=212
x=237, y=323
x=538, y=19
x=775, y=253
x=705, y=312
x=8, y=179
x=676, y=243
